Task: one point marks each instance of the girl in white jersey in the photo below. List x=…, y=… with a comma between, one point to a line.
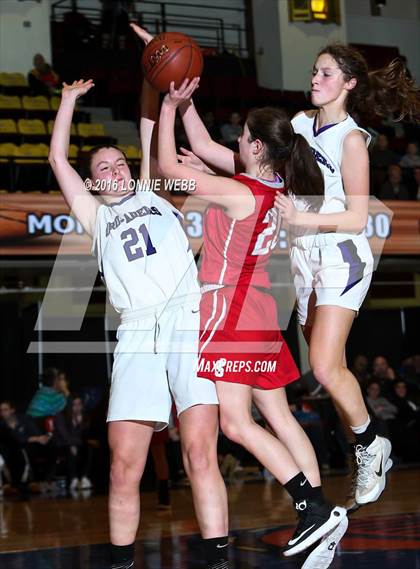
x=331, y=259
x=149, y=270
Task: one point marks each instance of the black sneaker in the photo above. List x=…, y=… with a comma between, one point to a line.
x=316, y=518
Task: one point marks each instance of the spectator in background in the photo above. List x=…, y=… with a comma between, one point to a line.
x=411, y=158
x=231, y=131
x=71, y=430
x=383, y=373
x=381, y=157
x=393, y=188
x=22, y=444
x=51, y=398
x=42, y=79
x=383, y=410
x=360, y=369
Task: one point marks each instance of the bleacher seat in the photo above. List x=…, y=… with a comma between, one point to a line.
x=32, y=170
x=8, y=131
x=38, y=103
x=7, y=151
x=88, y=130
x=10, y=106
x=55, y=102
x=13, y=84
x=33, y=130
x=131, y=151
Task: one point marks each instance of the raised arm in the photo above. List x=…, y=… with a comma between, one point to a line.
x=80, y=201
x=213, y=153
x=149, y=114
x=231, y=194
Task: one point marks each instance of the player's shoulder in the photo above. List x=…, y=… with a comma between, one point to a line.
x=308, y=114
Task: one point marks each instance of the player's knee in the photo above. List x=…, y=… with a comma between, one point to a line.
x=198, y=459
x=125, y=471
x=324, y=372
x=232, y=429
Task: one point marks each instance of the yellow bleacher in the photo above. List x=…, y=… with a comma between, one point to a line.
x=10, y=102
x=38, y=103
x=90, y=129
x=55, y=102
x=31, y=126
x=130, y=150
x=7, y=149
x=8, y=126
x=13, y=80
x=27, y=151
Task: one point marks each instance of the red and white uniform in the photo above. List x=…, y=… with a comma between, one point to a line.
x=240, y=339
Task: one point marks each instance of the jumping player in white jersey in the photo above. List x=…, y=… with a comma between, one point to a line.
x=148, y=266
x=331, y=259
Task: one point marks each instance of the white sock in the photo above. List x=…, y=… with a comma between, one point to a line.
x=361, y=428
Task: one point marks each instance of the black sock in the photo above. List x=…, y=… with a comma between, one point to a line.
x=367, y=437
x=122, y=556
x=216, y=550
x=300, y=489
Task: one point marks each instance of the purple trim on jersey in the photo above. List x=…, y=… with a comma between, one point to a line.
x=322, y=129
x=356, y=266
x=123, y=200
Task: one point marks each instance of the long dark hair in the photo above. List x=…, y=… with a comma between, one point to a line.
x=386, y=91
x=286, y=152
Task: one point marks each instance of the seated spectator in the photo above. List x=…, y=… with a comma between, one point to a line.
x=360, y=369
x=380, y=406
x=22, y=445
x=51, y=398
x=42, y=79
x=71, y=430
x=383, y=373
x=410, y=372
x=381, y=157
x=313, y=427
x=231, y=131
x=411, y=158
x=393, y=188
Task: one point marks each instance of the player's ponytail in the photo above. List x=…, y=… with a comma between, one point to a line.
x=303, y=175
x=387, y=91
x=286, y=153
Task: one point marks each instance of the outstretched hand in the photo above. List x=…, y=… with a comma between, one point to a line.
x=286, y=208
x=176, y=97
x=141, y=33
x=77, y=88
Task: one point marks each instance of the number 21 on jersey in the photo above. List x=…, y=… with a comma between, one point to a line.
x=131, y=238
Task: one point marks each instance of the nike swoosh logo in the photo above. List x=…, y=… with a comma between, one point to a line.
x=221, y=546
x=195, y=311
x=304, y=482
x=379, y=473
x=293, y=541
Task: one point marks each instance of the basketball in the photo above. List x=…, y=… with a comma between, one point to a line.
x=171, y=56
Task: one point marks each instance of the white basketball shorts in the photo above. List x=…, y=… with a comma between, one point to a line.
x=337, y=267
x=156, y=360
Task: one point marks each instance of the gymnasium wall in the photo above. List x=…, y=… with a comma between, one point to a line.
x=24, y=31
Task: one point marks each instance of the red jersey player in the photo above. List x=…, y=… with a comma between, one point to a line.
x=237, y=311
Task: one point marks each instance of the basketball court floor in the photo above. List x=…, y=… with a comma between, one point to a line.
x=71, y=532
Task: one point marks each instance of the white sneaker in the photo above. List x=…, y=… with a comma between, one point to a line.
x=85, y=483
x=323, y=554
x=371, y=469
x=74, y=484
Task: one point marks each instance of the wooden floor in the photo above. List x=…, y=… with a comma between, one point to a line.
x=257, y=509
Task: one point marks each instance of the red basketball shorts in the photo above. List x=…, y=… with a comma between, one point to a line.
x=240, y=339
